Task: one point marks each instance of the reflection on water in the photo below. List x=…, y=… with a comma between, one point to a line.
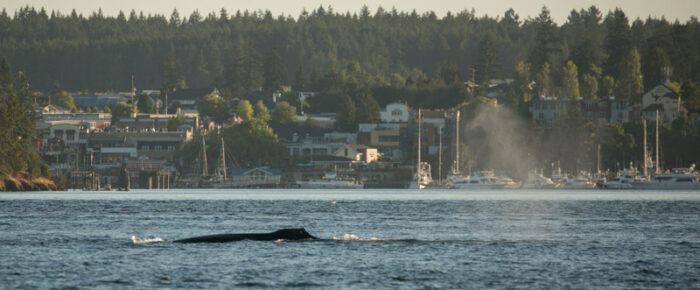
x=373, y=194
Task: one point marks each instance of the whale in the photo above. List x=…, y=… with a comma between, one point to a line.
x=283, y=234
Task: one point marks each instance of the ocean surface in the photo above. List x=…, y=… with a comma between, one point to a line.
x=370, y=239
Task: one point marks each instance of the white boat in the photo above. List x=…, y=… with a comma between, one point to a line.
x=538, y=181
x=623, y=180
x=678, y=178
x=576, y=183
x=330, y=180
x=479, y=180
x=422, y=178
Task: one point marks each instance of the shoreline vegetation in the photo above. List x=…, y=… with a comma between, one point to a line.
x=20, y=182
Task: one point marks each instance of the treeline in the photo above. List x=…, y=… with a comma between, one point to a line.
x=246, y=51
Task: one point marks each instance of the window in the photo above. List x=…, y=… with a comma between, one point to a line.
x=171, y=147
x=541, y=116
x=145, y=148
x=158, y=148
x=70, y=135
x=396, y=112
x=388, y=138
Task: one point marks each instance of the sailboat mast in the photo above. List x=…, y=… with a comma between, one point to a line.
x=205, y=166
x=419, y=129
x=644, y=164
x=658, y=169
x=457, y=145
x=440, y=157
x=223, y=157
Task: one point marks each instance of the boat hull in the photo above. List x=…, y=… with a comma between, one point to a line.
x=666, y=185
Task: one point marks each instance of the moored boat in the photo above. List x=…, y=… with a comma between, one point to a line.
x=330, y=180
x=678, y=178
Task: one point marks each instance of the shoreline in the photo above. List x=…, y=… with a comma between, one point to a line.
x=19, y=183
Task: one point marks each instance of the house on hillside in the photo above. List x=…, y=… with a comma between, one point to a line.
x=187, y=98
x=386, y=137
x=359, y=153
x=53, y=109
x=665, y=101
x=395, y=113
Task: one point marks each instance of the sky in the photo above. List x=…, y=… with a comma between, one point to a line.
x=560, y=9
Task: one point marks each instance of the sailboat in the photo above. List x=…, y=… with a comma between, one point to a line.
x=479, y=180
x=422, y=177
x=677, y=178
x=255, y=177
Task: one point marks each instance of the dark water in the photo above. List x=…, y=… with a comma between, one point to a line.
x=373, y=239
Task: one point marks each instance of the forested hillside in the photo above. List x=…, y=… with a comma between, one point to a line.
x=239, y=51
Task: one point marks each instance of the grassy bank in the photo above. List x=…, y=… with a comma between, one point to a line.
x=23, y=183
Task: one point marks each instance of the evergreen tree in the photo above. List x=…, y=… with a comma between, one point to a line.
x=546, y=41
x=301, y=80
x=629, y=85
x=275, y=73
x=570, y=85
x=618, y=42
x=233, y=86
x=367, y=109
x=345, y=118
x=250, y=65
x=145, y=104
x=449, y=73
x=488, y=64
x=654, y=69
x=172, y=80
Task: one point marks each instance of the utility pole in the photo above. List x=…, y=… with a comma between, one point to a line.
x=133, y=90
x=473, y=85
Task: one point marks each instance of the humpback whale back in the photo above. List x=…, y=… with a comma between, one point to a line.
x=283, y=234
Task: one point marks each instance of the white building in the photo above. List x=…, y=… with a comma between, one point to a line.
x=665, y=101
x=394, y=113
